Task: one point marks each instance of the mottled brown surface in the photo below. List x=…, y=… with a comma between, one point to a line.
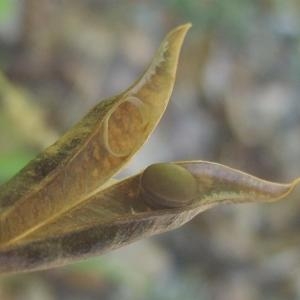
x=91, y=152
x=119, y=215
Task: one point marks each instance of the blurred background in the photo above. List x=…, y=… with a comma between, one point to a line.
x=236, y=102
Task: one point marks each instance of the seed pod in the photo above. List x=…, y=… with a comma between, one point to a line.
x=167, y=185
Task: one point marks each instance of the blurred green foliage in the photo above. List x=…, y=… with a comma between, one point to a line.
x=6, y=7
x=12, y=162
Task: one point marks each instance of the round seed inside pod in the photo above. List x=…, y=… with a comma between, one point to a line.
x=168, y=185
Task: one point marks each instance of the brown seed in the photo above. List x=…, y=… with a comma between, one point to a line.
x=168, y=185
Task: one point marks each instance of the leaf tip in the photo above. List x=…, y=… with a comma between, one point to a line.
x=176, y=36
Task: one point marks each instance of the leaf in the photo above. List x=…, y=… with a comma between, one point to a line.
x=62, y=208
x=120, y=214
x=92, y=151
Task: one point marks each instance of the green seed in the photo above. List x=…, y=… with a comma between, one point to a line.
x=168, y=185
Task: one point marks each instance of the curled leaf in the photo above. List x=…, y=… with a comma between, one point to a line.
x=92, y=151
x=120, y=214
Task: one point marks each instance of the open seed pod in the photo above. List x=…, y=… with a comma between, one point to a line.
x=61, y=208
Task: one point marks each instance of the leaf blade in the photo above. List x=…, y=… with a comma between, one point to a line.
x=91, y=152
x=119, y=215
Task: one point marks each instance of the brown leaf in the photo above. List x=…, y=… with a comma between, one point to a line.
x=92, y=151
x=59, y=209
x=120, y=214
